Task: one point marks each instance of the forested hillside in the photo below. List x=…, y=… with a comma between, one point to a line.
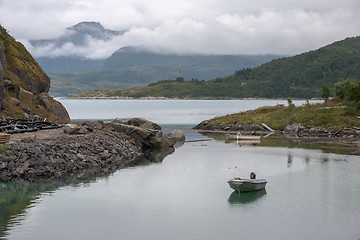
x=301, y=76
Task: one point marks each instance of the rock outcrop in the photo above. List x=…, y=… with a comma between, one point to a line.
x=298, y=130
x=143, y=123
x=24, y=85
x=150, y=136
x=205, y=125
x=2, y=84
x=53, y=154
x=176, y=135
x=83, y=151
x=145, y=133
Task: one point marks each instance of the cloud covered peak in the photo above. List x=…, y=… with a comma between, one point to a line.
x=284, y=27
x=78, y=40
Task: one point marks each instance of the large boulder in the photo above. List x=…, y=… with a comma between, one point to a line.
x=74, y=129
x=148, y=137
x=51, y=105
x=159, y=140
x=296, y=127
x=176, y=135
x=143, y=123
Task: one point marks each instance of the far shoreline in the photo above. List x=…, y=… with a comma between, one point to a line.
x=166, y=98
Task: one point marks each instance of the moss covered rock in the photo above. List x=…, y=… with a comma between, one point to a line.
x=24, y=86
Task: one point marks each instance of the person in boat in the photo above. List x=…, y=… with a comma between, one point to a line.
x=252, y=175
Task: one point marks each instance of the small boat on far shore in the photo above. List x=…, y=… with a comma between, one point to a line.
x=247, y=185
x=241, y=137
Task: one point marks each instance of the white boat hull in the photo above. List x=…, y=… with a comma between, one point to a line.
x=247, y=185
x=243, y=137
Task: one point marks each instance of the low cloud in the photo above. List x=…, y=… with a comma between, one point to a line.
x=186, y=27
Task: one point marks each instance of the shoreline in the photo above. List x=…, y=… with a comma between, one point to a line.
x=52, y=154
x=86, y=150
x=166, y=98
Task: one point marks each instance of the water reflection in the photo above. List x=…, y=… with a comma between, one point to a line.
x=290, y=160
x=331, y=145
x=17, y=197
x=223, y=138
x=154, y=155
x=246, y=197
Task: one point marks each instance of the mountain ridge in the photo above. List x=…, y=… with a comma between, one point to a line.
x=127, y=58
x=78, y=34
x=300, y=76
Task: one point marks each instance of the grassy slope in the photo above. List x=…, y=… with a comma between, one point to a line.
x=309, y=115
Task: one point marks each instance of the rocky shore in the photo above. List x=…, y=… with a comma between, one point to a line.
x=331, y=132
x=293, y=130
x=245, y=128
x=53, y=154
x=78, y=151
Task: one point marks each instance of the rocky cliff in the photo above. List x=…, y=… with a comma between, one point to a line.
x=24, y=85
x=2, y=86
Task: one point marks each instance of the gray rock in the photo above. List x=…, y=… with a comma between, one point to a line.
x=143, y=123
x=3, y=165
x=15, y=101
x=80, y=156
x=160, y=141
x=293, y=127
x=146, y=136
x=74, y=129
x=176, y=135
x=54, y=106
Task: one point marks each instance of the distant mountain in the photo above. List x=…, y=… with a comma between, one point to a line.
x=301, y=76
x=191, y=66
x=64, y=84
x=78, y=34
x=126, y=63
x=132, y=69
x=136, y=56
x=69, y=64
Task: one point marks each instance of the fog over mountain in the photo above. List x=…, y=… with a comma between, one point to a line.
x=71, y=62
x=84, y=40
x=285, y=27
x=81, y=46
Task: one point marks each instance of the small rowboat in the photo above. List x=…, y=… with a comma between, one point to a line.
x=247, y=185
x=241, y=137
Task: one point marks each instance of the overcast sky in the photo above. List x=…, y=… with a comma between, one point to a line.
x=191, y=26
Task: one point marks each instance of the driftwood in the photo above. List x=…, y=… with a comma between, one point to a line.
x=4, y=137
x=11, y=126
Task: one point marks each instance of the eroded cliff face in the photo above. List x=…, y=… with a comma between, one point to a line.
x=2, y=86
x=24, y=85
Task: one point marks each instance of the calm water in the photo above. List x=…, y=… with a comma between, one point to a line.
x=163, y=111
x=310, y=195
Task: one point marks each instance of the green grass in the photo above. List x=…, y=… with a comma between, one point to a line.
x=308, y=115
